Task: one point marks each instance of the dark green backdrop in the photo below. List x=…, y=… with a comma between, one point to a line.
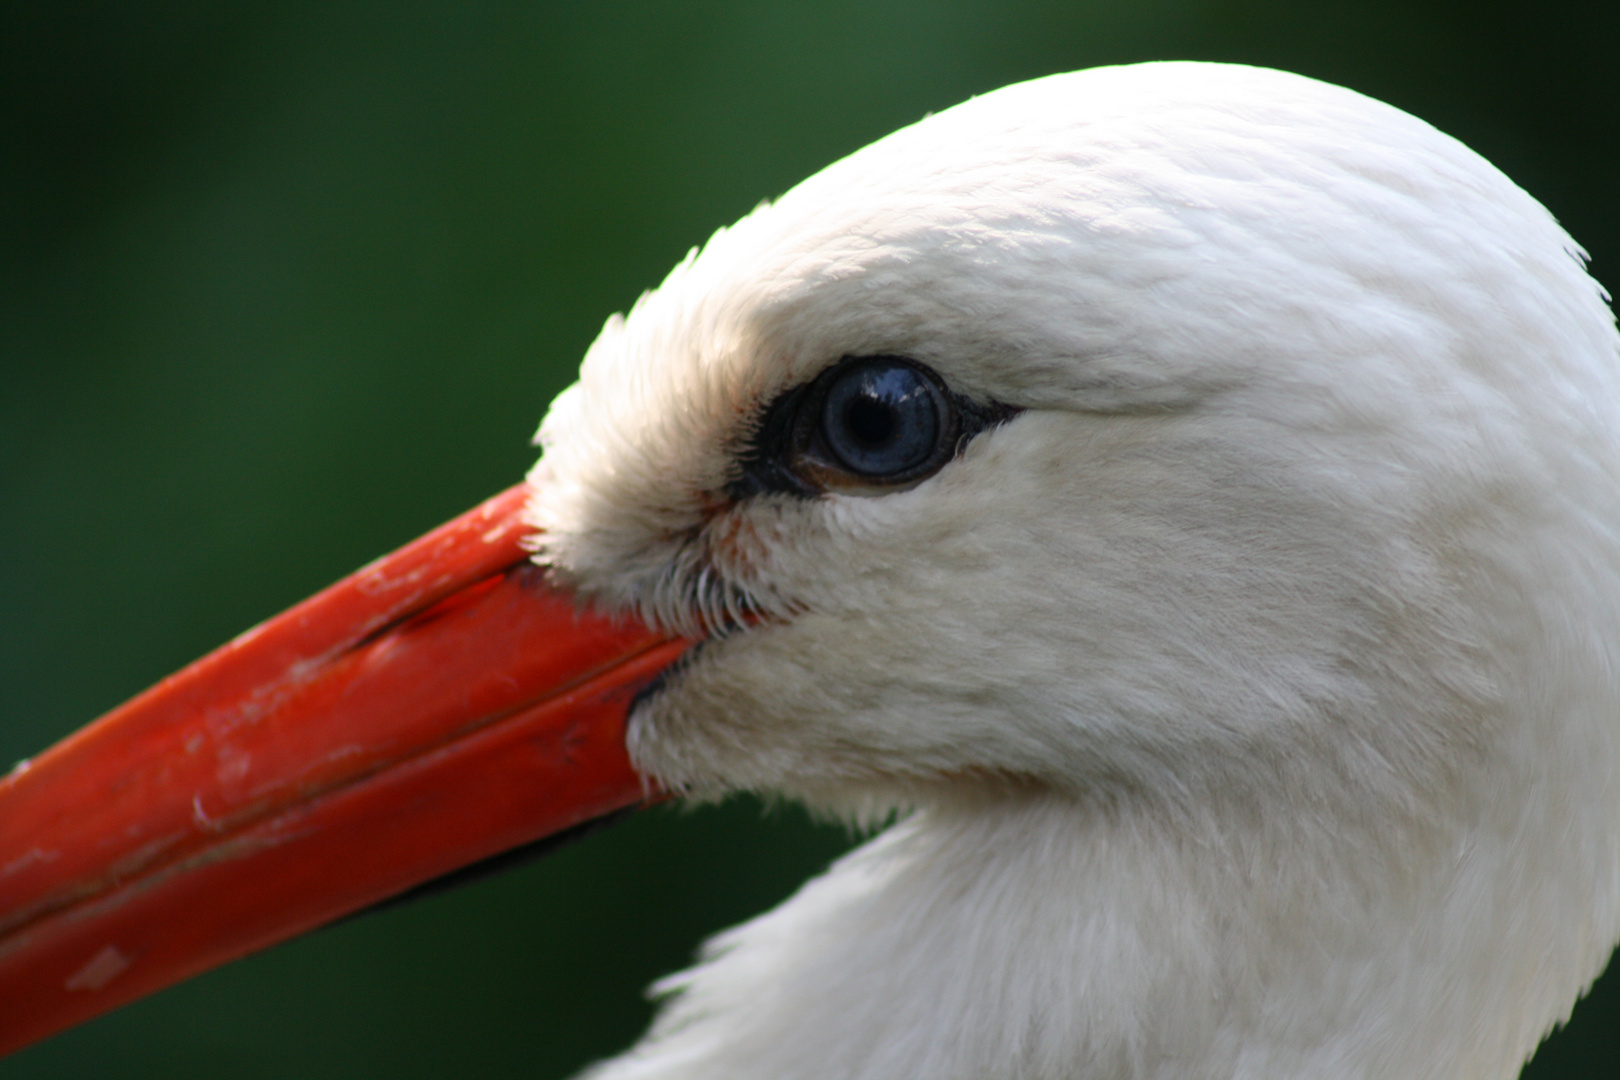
x=282, y=285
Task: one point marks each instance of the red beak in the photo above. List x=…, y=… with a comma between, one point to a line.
x=435, y=709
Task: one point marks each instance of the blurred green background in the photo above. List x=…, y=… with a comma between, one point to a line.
x=283, y=285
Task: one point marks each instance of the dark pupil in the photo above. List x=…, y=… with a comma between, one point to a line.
x=881, y=418
x=872, y=422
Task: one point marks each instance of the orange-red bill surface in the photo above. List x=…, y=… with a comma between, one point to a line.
x=438, y=707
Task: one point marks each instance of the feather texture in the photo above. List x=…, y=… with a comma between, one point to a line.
x=1250, y=699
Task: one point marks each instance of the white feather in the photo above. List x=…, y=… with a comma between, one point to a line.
x=1251, y=697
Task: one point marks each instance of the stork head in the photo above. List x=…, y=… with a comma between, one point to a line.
x=1215, y=472
x=1193, y=490
x=1238, y=438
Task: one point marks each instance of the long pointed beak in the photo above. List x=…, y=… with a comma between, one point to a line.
x=437, y=708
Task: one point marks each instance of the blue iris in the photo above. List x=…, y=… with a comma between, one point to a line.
x=882, y=418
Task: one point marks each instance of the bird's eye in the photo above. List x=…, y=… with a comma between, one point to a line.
x=881, y=418
x=866, y=425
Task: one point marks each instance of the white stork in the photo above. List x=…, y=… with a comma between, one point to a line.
x=1184, y=498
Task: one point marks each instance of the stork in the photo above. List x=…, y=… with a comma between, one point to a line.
x=1177, y=506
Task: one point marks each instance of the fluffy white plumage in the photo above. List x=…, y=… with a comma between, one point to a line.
x=1251, y=700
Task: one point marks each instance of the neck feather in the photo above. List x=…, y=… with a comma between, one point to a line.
x=1033, y=935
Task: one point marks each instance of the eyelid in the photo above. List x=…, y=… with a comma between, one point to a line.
x=813, y=458
x=782, y=453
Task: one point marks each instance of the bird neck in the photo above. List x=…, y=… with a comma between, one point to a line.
x=1048, y=936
